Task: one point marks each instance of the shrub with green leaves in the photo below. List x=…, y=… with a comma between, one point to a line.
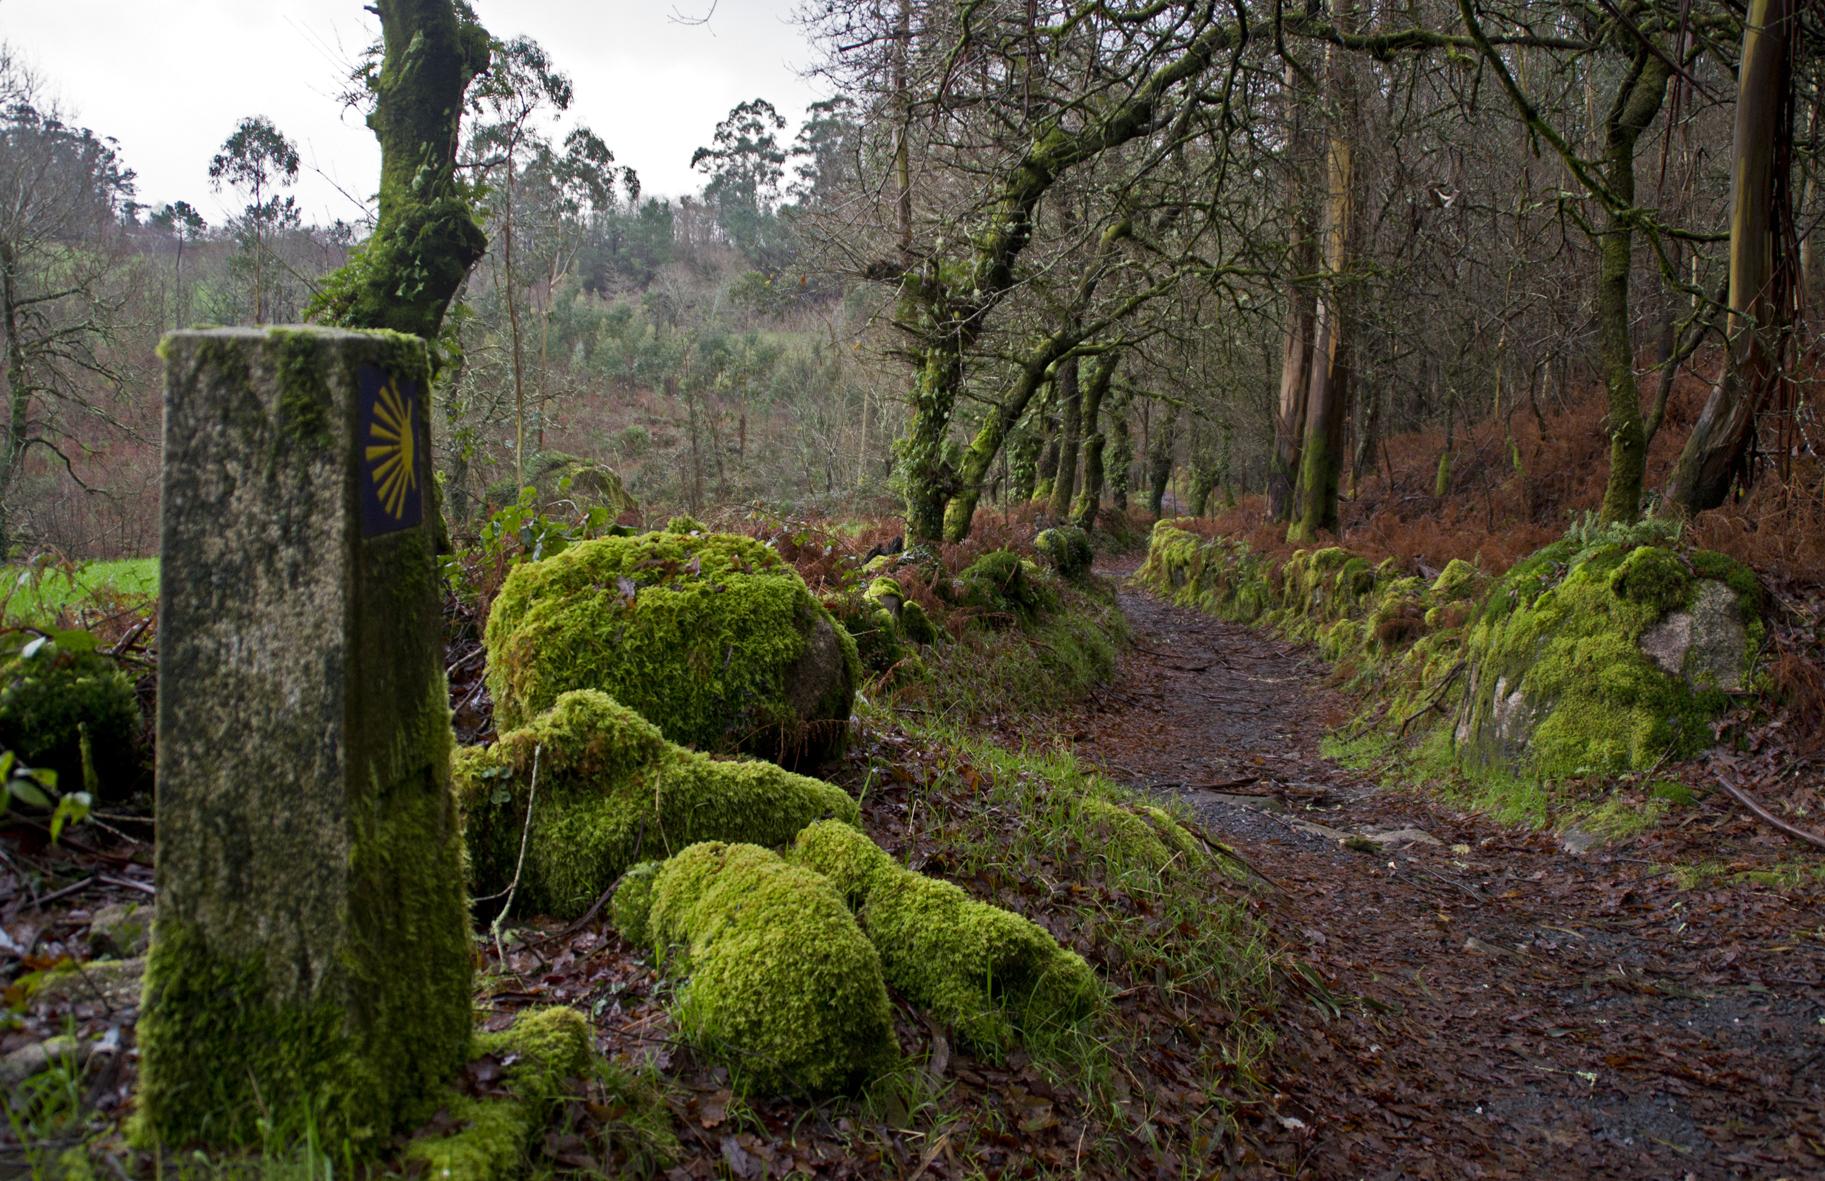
x=68, y=709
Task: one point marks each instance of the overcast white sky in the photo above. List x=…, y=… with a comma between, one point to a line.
x=170, y=80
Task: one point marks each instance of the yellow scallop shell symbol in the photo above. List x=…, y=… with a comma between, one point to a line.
x=389, y=450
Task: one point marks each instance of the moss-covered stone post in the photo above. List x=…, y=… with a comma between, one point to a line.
x=310, y=963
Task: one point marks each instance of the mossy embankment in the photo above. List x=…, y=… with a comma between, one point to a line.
x=1526, y=692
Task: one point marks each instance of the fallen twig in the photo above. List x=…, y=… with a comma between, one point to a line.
x=54, y=895
x=127, y=883
x=532, y=792
x=1437, y=696
x=1743, y=798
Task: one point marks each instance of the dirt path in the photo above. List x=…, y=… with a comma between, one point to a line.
x=1491, y=1005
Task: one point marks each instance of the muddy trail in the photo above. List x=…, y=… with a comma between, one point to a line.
x=1480, y=1002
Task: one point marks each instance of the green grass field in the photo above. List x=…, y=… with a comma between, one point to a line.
x=37, y=596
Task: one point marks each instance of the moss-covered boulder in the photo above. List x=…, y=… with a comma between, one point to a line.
x=711, y=637
x=1005, y=589
x=1067, y=549
x=558, y=475
x=1604, y=658
x=65, y=707
x=987, y=972
x=610, y=792
x=775, y=977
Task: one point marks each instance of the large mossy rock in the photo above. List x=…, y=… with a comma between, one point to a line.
x=987, y=972
x=711, y=637
x=68, y=709
x=1005, y=589
x=1068, y=550
x=776, y=978
x=1605, y=658
x=611, y=791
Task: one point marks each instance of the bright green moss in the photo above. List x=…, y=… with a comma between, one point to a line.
x=1068, y=550
x=1148, y=839
x=987, y=972
x=1006, y=590
x=775, y=977
x=1458, y=580
x=916, y=625
x=1654, y=578
x=611, y=792
x=1560, y=684
x=712, y=638
x=540, y=1056
x=685, y=523
x=70, y=710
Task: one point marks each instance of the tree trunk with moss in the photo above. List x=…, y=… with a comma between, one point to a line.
x=1327, y=402
x=1122, y=448
x=944, y=308
x=1070, y=433
x=426, y=238
x=1718, y=452
x=1159, y=463
x=1637, y=102
x=1083, y=512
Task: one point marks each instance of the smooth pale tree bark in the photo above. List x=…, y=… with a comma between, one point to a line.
x=1720, y=448
x=426, y=239
x=1637, y=101
x=1083, y=512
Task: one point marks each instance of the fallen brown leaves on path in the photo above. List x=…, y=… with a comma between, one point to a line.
x=1480, y=1001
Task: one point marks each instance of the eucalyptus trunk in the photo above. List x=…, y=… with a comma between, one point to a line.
x=1720, y=448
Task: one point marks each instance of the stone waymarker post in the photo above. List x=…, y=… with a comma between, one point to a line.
x=310, y=956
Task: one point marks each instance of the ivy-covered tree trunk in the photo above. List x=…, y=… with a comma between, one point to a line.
x=1719, y=450
x=426, y=239
x=1083, y=512
x=1637, y=101
x=1070, y=404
